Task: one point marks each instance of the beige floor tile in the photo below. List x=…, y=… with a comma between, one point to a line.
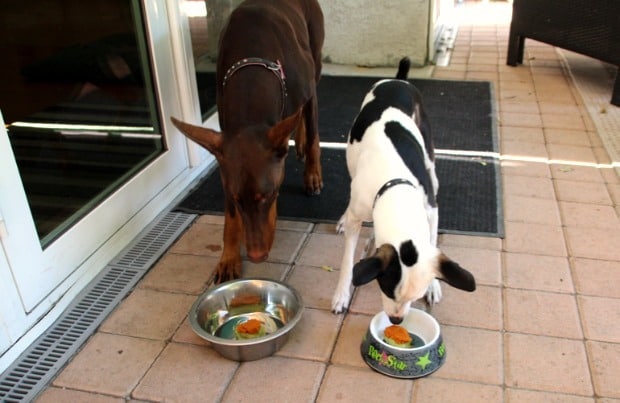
x=322, y=250
x=601, y=318
x=149, y=314
x=614, y=192
x=288, y=225
x=534, y=238
x=210, y=219
x=521, y=119
x=185, y=334
x=481, y=76
x=315, y=284
x=274, y=271
x=541, y=313
x=347, y=349
x=472, y=355
x=537, y=272
x=522, y=150
x=531, y=210
x=520, y=96
x=605, y=361
x=286, y=245
x=479, y=309
x=366, y=299
x=518, y=165
x=201, y=239
x=520, y=395
x=522, y=134
x=567, y=136
x=596, y=277
x=351, y=385
x=576, y=173
x=56, y=395
x=589, y=215
x=431, y=389
x=528, y=186
x=555, y=108
x=469, y=241
x=314, y=336
x=275, y=379
x=571, y=154
x=561, y=120
x=582, y=192
x=187, y=274
x=200, y=374
x=529, y=107
x=524, y=84
x=484, y=264
x=110, y=364
x=547, y=363
x=593, y=243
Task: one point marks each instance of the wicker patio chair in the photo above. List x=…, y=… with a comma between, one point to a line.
x=588, y=27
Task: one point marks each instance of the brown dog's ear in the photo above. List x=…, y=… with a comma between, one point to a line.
x=209, y=139
x=455, y=275
x=281, y=132
x=374, y=266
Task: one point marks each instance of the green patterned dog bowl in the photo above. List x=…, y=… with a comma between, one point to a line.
x=425, y=357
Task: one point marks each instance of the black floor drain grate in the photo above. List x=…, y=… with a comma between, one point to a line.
x=37, y=366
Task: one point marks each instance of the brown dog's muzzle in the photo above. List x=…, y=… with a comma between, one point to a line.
x=259, y=234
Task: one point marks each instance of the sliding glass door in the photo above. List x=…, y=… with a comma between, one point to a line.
x=87, y=88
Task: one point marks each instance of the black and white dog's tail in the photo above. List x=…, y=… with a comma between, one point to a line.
x=403, y=68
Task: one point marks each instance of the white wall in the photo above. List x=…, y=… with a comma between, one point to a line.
x=358, y=32
x=376, y=33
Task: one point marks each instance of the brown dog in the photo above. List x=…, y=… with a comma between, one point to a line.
x=268, y=67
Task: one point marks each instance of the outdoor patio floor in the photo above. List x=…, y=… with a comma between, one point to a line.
x=542, y=326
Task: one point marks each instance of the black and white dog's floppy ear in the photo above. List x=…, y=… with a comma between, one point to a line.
x=455, y=275
x=374, y=266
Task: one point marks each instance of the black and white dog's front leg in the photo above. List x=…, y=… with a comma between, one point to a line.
x=434, y=293
x=351, y=226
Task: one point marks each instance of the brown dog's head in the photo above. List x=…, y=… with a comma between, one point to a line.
x=251, y=164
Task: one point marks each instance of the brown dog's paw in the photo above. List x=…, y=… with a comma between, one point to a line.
x=314, y=184
x=227, y=271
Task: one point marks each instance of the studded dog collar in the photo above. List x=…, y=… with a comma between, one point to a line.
x=275, y=67
x=391, y=183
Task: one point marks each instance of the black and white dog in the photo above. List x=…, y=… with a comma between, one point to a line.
x=390, y=158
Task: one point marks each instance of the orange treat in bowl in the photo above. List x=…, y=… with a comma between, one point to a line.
x=397, y=336
x=250, y=329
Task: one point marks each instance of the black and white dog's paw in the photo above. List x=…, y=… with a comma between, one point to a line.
x=434, y=293
x=340, y=301
x=340, y=225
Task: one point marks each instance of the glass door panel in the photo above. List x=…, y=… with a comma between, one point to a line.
x=78, y=101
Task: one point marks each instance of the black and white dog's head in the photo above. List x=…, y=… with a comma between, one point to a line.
x=405, y=276
x=407, y=262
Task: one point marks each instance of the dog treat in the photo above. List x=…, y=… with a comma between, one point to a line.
x=250, y=329
x=397, y=336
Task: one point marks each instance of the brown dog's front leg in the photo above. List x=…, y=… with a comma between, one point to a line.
x=229, y=267
x=313, y=177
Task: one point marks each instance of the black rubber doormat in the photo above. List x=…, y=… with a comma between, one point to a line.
x=462, y=118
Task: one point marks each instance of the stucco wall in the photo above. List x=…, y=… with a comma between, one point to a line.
x=357, y=32
x=376, y=33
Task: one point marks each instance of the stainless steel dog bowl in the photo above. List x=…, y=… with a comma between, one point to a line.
x=216, y=313
x=426, y=356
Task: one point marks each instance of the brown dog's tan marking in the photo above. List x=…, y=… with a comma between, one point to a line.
x=260, y=104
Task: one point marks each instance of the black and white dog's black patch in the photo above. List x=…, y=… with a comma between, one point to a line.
x=390, y=158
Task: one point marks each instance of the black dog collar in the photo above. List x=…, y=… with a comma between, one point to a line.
x=389, y=184
x=275, y=67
